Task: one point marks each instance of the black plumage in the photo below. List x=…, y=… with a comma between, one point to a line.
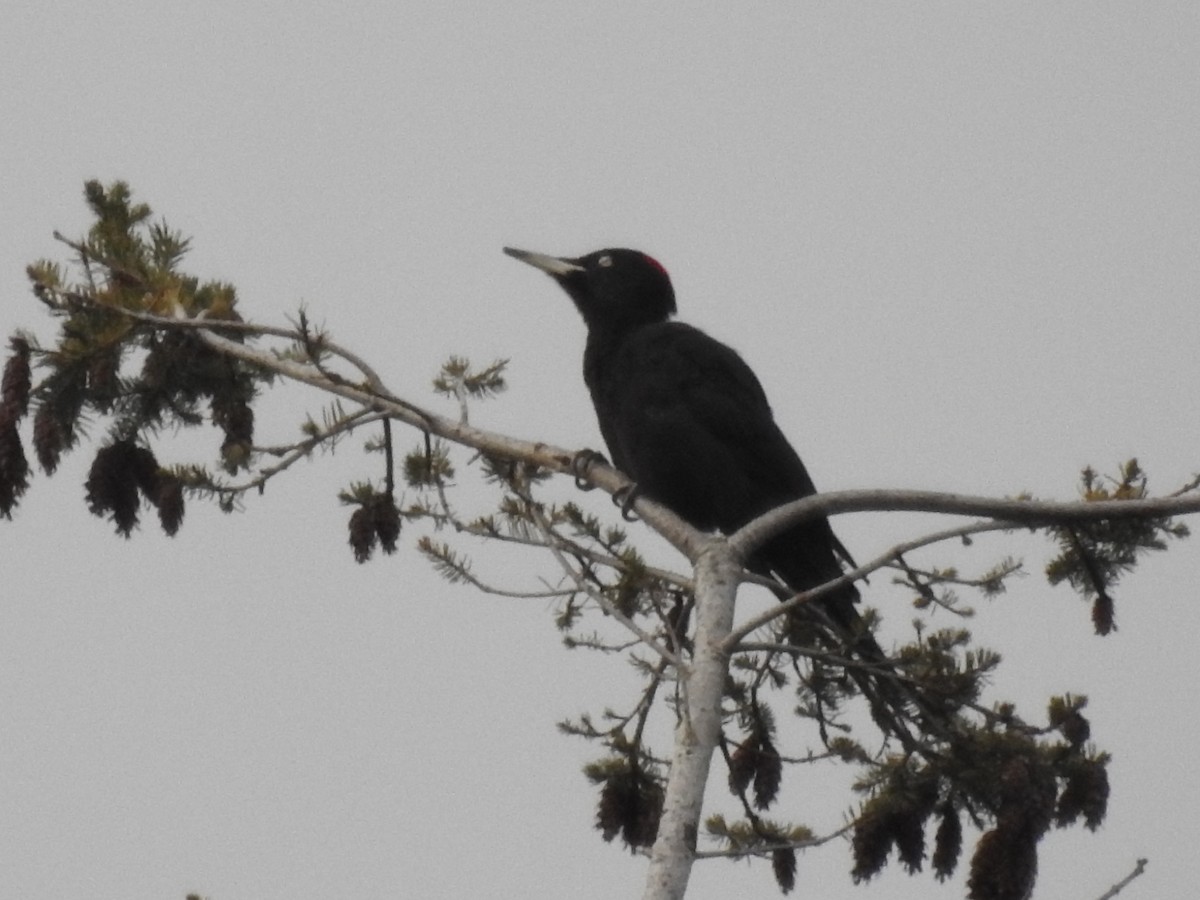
x=685, y=417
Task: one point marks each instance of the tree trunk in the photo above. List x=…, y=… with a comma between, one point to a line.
x=701, y=685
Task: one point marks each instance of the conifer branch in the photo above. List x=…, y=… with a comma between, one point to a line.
x=300, y=450
x=598, y=596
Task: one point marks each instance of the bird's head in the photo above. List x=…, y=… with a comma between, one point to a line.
x=611, y=288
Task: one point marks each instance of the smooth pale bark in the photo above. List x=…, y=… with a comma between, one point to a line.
x=701, y=685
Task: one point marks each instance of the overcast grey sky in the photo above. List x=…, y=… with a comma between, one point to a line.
x=957, y=241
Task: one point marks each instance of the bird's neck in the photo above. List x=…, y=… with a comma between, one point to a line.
x=601, y=352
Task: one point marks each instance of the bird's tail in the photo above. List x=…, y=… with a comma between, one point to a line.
x=804, y=559
x=835, y=625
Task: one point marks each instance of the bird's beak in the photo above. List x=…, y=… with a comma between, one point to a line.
x=551, y=265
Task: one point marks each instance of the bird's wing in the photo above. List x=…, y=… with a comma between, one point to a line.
x=691, y=425
x=685, y=410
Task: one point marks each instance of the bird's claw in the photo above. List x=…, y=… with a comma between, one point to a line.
x=625, y=498
x=581, y=465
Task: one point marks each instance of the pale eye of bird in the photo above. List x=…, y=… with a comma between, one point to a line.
x=605, y=260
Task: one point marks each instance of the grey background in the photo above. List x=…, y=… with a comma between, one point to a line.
x=957, y=241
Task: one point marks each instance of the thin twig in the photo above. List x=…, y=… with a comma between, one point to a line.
x=884, y=559
x=293, y=453
x=767, y=850
x=603, y=602
x=1124, y=882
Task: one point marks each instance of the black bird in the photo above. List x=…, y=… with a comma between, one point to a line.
x=686, y=419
